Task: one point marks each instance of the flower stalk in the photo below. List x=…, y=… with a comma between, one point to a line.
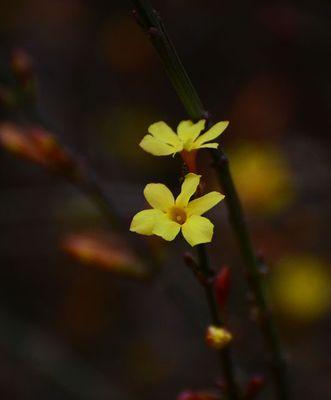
x=216, y=319
x=153, y=26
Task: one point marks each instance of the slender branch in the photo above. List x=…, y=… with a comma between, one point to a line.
x=151, y=23
x=89, y=183
x=80, y=174
x=268, y=326
x=40, y=352
x=216, y=319
x=85, y=179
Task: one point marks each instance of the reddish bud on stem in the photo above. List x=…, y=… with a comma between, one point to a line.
x=254, y=387
x=22, y=65
x=190, y=395
x=105, y=251
x=222, y=286
x=37, y=145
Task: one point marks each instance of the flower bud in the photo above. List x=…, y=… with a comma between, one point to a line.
x=190, y=395
x=217, y=337
x=22, y=65
x=37, y=145
x=53, y=153
x=254, y=387
x=222, y=286
x=104, y=251
x=12, y=139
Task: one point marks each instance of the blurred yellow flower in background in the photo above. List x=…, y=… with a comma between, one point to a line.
x=263, y=177
x=163, y=141
x=301, y=287
x=168, y=216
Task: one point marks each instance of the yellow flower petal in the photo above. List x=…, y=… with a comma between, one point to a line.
x=144, y=221
x=188, y=131
x=197, y=230
x=161, y=131
x=166, y=228
x=204, y=203
x=205, y=146
x=156, y=147
x=212, y=133
x=189, y=187
x=159, y=196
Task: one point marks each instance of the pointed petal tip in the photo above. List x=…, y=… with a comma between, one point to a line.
x=192, y=174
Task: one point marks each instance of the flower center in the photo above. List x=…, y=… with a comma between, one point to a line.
x=178, y=215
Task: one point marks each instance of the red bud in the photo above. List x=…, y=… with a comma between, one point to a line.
x=37, y=145
x=190, y=395
x=254, y=387
x=22, y=65
x=222, y=286
x=105, y=251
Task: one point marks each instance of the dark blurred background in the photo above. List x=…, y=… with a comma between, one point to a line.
x=71, y=331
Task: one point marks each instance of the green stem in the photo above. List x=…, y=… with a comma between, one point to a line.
x=216, y=319
x=268, y=325
x=151, y=23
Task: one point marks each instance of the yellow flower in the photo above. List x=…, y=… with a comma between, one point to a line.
x=263, y=177
x=163, y=141
x=217, y=337
x=301, y=287
x=168, y=216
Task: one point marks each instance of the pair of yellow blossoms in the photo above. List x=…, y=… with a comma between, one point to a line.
x=169, y=215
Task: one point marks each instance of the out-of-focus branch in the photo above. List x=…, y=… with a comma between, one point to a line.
x=53, y=360
x=36, y=144
x=31, y=137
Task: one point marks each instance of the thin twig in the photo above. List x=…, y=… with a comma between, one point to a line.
x=54, y=361
x=232, y=386
x=151, y=23
x=267, y=323
x=85, y=178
